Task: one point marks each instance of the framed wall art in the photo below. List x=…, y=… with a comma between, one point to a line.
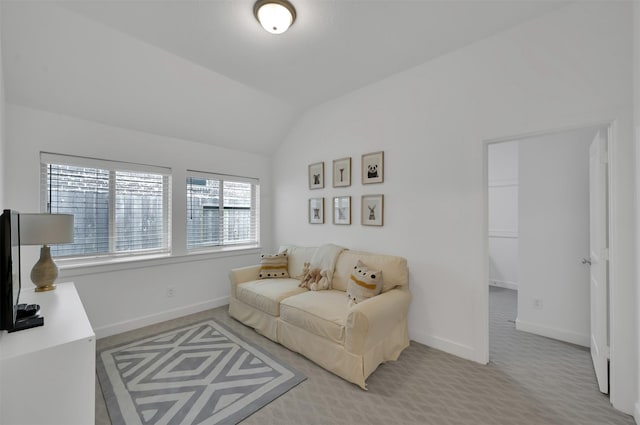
x=342, y=210
x=372, y=210
x=316, y=175
x=342, y=172
x=316, y=210
x=373, y=167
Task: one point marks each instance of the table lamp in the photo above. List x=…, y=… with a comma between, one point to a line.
x=45, y=229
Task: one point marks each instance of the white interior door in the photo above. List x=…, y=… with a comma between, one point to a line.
x=598, y=223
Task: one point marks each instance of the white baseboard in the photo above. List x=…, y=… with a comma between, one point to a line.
x=451, y=347
x=151, y=319
x=504, y=284
x=636, y=413
x=559, y=334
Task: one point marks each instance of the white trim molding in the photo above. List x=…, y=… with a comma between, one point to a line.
x=504, y=284
x=507, y=234
x=151, y=319
x=555, y=333
x=503, y=183
x=451, y=347
x=72, y=269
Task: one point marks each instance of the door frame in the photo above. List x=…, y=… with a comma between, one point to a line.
x=598, y=258
x=611, y=126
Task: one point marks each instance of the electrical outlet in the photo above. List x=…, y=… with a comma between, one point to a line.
x=537, y=304
x=171, y=291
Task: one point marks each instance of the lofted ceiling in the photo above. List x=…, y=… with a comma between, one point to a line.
x=206, y=71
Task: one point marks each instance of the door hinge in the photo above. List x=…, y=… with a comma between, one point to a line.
x=605, y=254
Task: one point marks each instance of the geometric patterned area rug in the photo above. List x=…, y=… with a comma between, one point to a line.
x=200, y=374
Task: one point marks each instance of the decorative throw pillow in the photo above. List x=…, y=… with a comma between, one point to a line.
x=363, y=283
x=274, y=266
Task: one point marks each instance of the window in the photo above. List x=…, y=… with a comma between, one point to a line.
x=118, y=208
x=221, y=210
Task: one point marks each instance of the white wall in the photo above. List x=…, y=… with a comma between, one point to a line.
x=59, y=60
x=567, y=69
x=502, y=170
x=2, y=132
x=636, y=126
x=554, y=235
x=126, y=296
x=2, y=136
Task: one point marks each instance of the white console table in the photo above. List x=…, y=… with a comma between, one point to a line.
x=47, y=374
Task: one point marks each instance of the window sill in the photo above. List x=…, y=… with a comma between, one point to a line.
x=80, y=267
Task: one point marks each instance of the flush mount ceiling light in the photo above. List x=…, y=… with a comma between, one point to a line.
x=275, y=16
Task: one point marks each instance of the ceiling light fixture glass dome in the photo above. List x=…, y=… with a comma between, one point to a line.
x=275, y=16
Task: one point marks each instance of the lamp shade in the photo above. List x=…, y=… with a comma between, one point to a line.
x=45, y=229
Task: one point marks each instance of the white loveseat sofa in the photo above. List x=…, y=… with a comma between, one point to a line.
x=350, y=341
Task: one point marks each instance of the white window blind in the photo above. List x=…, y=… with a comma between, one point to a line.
x=119, y=208
x=222, y=210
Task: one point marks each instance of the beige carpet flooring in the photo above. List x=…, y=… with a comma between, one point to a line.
x=530, y=380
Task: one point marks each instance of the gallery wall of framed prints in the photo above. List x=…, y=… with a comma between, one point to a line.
x=371, y=205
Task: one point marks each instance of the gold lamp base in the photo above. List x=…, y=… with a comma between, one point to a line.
x=45, y=271
x=45, y=288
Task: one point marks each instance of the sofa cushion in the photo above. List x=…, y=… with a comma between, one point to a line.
x=265, y=295
x=364, y=283
x=298, y=255
x=395, y=270
x=322, y=313
x=274, y=266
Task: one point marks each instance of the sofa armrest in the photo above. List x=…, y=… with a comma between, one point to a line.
x=241, y=275
x=370, y=321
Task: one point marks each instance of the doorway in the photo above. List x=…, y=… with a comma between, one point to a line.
x=538, y=235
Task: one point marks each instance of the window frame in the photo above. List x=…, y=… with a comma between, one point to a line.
x=47, y=158
x=254, y=209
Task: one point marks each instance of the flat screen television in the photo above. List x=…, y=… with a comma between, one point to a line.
x=9, y=268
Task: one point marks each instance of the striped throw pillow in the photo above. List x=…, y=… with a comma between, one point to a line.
x=274, y=266
x=364, y=283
